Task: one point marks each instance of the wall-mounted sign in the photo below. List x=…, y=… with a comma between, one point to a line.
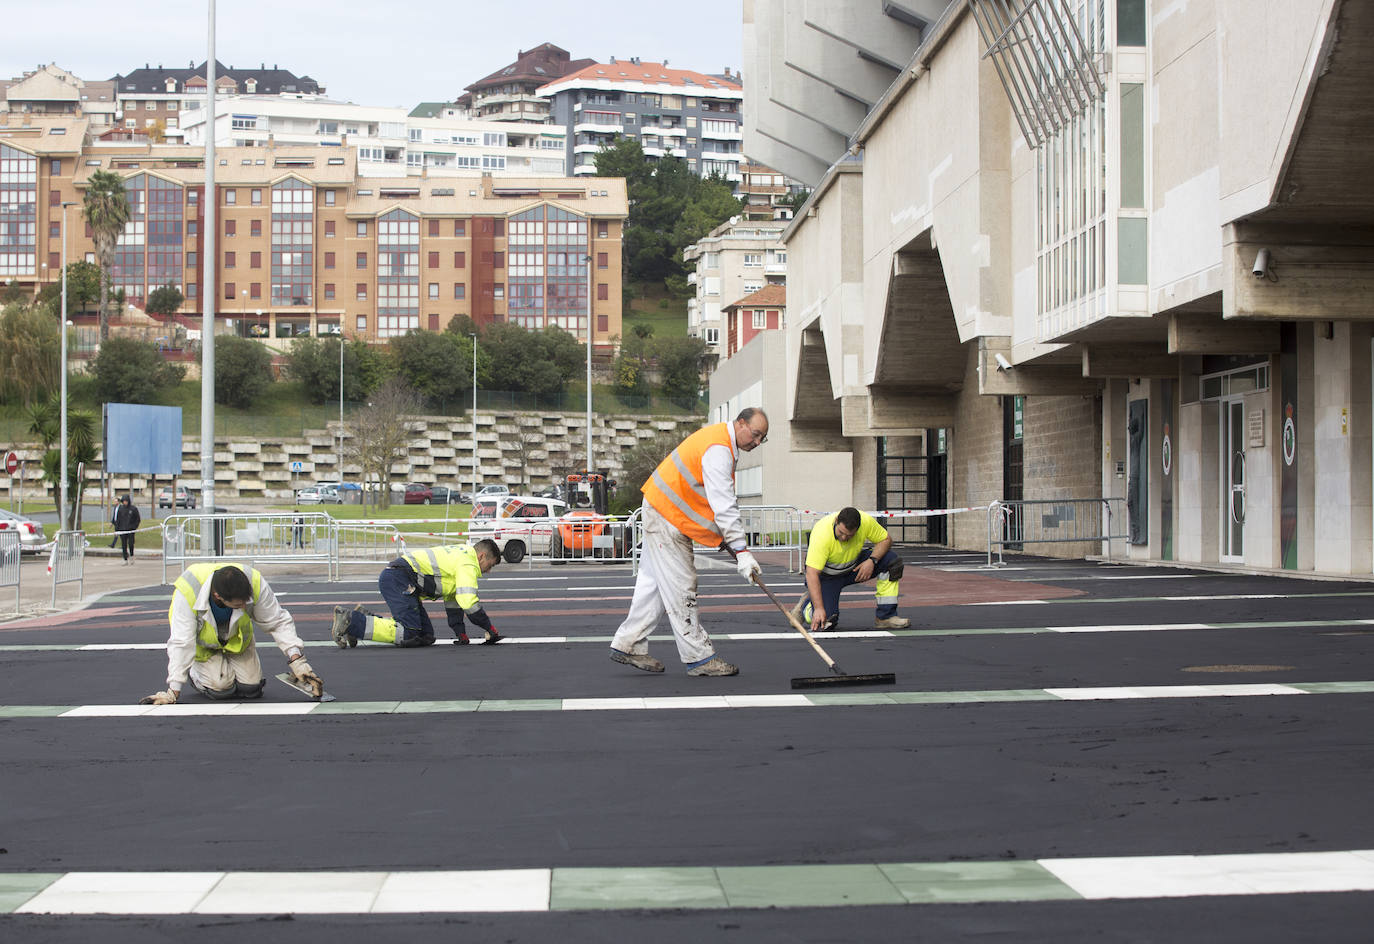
x=1254, y=437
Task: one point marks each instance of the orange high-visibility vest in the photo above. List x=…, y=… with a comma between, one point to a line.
x=677, y=489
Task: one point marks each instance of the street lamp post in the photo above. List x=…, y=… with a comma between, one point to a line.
x=474, y=417
x=589, y=357
x=62, y=327
x=341, y=426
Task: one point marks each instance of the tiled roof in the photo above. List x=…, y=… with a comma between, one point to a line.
x=271, y=81
x=543, y=63
x=645, y=73
x=770, y=296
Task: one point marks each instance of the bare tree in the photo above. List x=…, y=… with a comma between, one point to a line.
x=380, y=433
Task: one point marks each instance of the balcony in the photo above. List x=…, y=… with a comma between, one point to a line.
x=591, y=128
x=775, y=268
x=587, y=148
x=584, y=170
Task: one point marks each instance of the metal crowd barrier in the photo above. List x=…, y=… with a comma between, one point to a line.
x=1014, y=524
x=68, y=561
x=255, y=538
x=365, y=542
x=9, y=563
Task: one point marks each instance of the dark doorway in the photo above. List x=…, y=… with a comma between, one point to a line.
x=1013, y=458
x=903, y=486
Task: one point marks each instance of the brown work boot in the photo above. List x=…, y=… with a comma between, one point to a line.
x=644, y=661
x=339, y=629
x=892, y=622
x=717, y=666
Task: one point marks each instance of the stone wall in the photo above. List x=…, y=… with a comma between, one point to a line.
x=516, y=449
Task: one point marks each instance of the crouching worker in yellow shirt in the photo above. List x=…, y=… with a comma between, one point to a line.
x=450, y=573
x=215, y=609
x=836, y=557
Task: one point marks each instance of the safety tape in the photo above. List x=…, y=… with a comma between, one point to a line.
x=923, y=513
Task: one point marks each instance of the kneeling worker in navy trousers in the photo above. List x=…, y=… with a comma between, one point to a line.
x=836, y=557
x=449, y=573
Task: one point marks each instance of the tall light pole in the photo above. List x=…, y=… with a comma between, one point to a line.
x=474, y=417
x=341, y=347
x=589, y=351
x=62, y=327
x=209, y=292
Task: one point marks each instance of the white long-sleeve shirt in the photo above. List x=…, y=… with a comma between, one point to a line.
x=718, y=471
x=267, y=615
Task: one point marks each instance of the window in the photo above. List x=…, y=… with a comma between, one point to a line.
x=231, y=196
x=192, y=227
x=434, y=290
x=255, y=227
x=329, y=260
x=460, y=228
x=329, y=198
x=55, y=230
x=752, y=260
x=230, y=290
x=498, y=290
x=230, y=228
x=329, y=229
x=255, y=290
x=602, y=260
x=230, y=260
x=191, y=260
x=603, y=230
x=603, y=323
x=711, y=335
x=498, y=260
x=55, y=167
x=498, y=227
x=433, y=260
x=434, y=227
x=460, y=260
x=329, y=290
x=54, y=198
x=362, y=323
x=362, y=228
x=760, y=318
x=255, y=196
x=361, y=291
x=602, y=291
x=192, y=290
x=460, y=290
x=55, y=261
x=255, y=260
x=361, y=261
x=193, y=198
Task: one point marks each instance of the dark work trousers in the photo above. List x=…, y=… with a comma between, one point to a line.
x=407, y=609
x=126, y=545
x=831, y=585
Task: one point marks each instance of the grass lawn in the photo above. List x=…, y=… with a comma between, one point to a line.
x=655, y=307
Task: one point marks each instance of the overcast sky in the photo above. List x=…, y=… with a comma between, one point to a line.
x=400, y=52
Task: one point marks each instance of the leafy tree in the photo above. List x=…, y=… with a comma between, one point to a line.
x=11, y=293
x=638, y=463
x=315, y=363
x=83, y=287
x=131, y=371
x=795, y=199
x=106, y=209
x=164, y=301
x=679, y=365
x=462, y=326
x=29, y=352
x=45, y=421
x=644, y=330
x=437, y=366
x=539, y=362
x=379, y=434
x=243, y=369
x=632, y=368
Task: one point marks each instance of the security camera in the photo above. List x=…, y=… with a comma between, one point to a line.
x=1002, y=362
x=1261, y=267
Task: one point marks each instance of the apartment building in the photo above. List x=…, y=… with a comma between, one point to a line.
x=306, y=245
x=511, y=93
x=162, y=97
x=52, y=90
x=755, y=313
x=767, y=194
x=671, y=112
x=738, y=257
x=387, y=141
x=1117, y=251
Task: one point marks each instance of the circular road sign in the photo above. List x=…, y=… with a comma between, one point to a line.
x=11, y=463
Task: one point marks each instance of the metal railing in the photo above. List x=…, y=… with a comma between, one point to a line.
x=364, y=542
x=1088, y=521
x=608, y=539
x=255, y=538
x=68, y=561
x=9, y=563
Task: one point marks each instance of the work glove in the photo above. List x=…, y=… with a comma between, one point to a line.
x=747, y=565
x=168, y=697
x=303, y=673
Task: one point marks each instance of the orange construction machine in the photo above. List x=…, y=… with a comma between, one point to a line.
x=586, y=531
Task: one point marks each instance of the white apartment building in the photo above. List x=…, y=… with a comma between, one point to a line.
x=738, y=258
x=388, y=141
x=1108, y=249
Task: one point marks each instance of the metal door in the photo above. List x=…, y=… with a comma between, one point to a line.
x=1232, y=469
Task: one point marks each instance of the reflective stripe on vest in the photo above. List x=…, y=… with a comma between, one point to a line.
x=449, y=566
x=677, y=488
x=189, y=585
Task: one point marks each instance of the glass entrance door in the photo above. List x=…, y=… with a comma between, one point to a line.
x=1232, y=468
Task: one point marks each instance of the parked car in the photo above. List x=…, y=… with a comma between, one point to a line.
x=319, y=495
x=185, y=498
x=443, y=495
x=418, y=494
x=519, y=524
x=30, y=531
x=492, y=490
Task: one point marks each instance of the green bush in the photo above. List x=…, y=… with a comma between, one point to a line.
x=130, y=371
x=243, y=370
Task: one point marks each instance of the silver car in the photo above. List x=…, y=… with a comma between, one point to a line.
x=30, y=532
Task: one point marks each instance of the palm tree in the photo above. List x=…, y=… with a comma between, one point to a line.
x=106, y=209
x=45, y=423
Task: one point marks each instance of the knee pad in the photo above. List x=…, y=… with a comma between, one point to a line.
x=217, y=694
x=894, y=573
x=242, y=690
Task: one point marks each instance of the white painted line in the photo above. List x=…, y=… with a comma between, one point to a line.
x=107, y=711
x=1125, y=628
x=856, y=634
x=1172, y=691
x=1191, y=876
x=193, y=708
x=767, y=701
x=277, y=708
x=293, y=893
x=1004, y=603
x=122, y=893
x=496, y=890
x=507, y=640
x=601, y=704
x=120, y=646
x=1240, y=596
x=687, y=701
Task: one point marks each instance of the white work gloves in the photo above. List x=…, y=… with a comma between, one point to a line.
x=746, y=565
x=303, y=673
x=168, y=697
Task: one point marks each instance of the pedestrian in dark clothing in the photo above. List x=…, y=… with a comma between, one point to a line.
x=126, y=522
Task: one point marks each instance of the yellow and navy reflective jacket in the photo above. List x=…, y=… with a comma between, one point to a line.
x=240, y=633
x=829, y=556
x=450, y=572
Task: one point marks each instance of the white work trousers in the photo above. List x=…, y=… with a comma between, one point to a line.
x=223, y=670
x=667, y=583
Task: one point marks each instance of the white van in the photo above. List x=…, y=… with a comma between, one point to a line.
x=519, y=524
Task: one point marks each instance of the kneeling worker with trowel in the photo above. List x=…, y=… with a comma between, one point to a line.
x=449, y=572
x=214, y=611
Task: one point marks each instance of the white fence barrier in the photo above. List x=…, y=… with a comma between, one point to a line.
x=1014, y=524
x=254, y=538
x=9, y=563
x=67, y=563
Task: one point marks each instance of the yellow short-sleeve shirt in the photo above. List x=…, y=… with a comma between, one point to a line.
x=830, y=556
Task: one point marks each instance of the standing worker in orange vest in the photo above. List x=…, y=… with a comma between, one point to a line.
x=689, y=498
